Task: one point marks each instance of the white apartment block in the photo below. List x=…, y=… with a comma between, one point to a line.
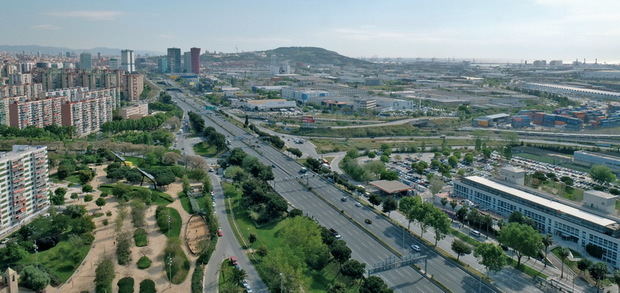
x=24, y=112
x=575, y=226
x=23, y=185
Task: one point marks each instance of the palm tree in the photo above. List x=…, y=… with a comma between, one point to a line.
x=238, y=276
x=547, y=241
x=563, y=253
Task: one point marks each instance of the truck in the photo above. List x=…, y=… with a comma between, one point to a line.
x=210, y=108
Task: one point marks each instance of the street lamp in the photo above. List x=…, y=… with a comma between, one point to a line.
x=170, y=270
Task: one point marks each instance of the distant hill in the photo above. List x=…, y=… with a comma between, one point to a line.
x=49, y=50
x=305, y=55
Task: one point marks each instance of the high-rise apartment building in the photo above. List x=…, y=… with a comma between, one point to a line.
x=195, y=60
x=174, y=60
x=23, y=185
x=24, y=112
x=128, y=61
x=162, y=65
x=88, y=114
x=187, y=62
x=132, y=86
x=86, y=61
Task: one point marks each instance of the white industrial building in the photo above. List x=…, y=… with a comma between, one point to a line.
x=575, y=226
x=266, y=105
x=570, y=90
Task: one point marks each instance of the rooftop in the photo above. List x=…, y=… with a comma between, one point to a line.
x=557, y=206
x=601, y=194
x=390, y=186
x=259, y=102
x=598, y=155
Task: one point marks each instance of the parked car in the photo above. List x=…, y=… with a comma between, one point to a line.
x=220, y=233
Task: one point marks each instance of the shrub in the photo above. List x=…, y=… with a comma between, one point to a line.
x=74, y=195
x=140, y=237
x=147, y=286
x=197, y=277
x=104, y=274
x=88, y=197
x=179, y=264
x=138, y=209
x=123, y=245
x=87, y=188
x=106, y=222
x=34, y=278
x=144, y=263
x=125, y=285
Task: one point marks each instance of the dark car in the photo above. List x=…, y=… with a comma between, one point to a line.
x=367, y=221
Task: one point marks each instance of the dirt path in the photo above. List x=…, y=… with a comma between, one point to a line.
x=104, y=244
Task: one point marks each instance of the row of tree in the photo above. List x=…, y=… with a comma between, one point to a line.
x=427, y=215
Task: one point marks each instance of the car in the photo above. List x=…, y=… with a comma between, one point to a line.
x=367, y=221
x=357, y=204
x=233, y=260
x=343, y=199
x=213, y=204
x=475, y=233
x=335, y=233
x=415, y=247
x=220, y=233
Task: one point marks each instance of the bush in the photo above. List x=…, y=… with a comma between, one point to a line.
x=168, y=220
x=179, y=264
x=147, y=286
x=106, y=222
x=197, y=277
x=144, y=263
x=74, y=195
x=125, y=285
x=88, y=197
x=34, y=278
x=123, y=251
x=87, y=188
x=140, y=237
x=104, y=274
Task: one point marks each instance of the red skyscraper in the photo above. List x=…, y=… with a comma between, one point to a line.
x=195, y=52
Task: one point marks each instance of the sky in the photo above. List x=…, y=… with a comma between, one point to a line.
x=511, y=29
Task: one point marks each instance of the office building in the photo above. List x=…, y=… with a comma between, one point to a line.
x=187, y=62
x=132, y=86
x=195, y=60
x=174, y=60
x=23, y=185
x=162, y=65
x=135, y=112
x=305, y=96
x=267, y=105
x=128, y=61
x=86, y=61
x=364, y=104
x=574, y=226
x=590, y=159
x=114, y=64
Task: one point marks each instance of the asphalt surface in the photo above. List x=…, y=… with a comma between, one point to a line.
x=364, y=247
x=227, y=245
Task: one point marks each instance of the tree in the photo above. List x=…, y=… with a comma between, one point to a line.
x=374, y=284
x=460, y=248
x=440, y=223
x=340, y=251
x=252, y=238
x=374, y=199
x=469, y=158
x=295, y=151
x=104, y=274
x=617, y=277
x=34, y=278
x=408, y=206
x=389, y=204
x=492, y=256
x=453, y=204
x=87, y=188
x=547, y=241
x=444, y=201
x=507, y=152
x=147, y=286
x=100, y=202
x=247, y=122
x=584, y=264
x=522, y=238
x=563, y=253
x=436, y=184
x=486, y=152
x=602, y=174
x=60, y=191
x=567, y=180
x=353, y=269
x=453, y=161
x=598, y=272
x=238, y=275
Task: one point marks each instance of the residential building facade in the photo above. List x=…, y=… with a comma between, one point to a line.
x=23, y=185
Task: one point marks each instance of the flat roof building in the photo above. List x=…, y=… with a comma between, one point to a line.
x=575, y=226
x=391, y=187
x=590, y=159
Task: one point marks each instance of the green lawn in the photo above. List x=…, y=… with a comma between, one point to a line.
x=203, y=201
x=170, y=228
x=266, y=235
x=61, y=260
x=159, y=198
x=205, y=149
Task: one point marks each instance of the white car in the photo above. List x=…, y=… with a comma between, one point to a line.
x=415, y=247
x=357, y=204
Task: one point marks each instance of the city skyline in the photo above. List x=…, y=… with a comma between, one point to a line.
x=523, y=30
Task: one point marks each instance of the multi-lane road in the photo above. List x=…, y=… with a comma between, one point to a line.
x=323, y=202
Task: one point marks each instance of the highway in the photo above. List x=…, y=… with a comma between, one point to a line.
x=323, y=203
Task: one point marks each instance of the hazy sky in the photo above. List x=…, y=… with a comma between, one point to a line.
x=517, y=29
